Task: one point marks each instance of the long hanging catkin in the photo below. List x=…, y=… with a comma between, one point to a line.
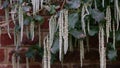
x=108, y=22
x=13, y=11
x=103, y=3
x=117, y=12
x=114, y=35
x=48, y=53
x=65, y=36
x=95, y=4
x=18, y=62
x=13, y=61
x=102, y=50
x=36, y=5
x=32, y=26
x=60, y=23
x=7, y=21
x=20, y=14
x=81, y=52
x=41, y=3
x=27, y=62
x=84, y=13
x=52, y=27
x=45, y=64
x=63, y=32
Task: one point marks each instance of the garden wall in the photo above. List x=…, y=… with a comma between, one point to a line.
x=71, y=59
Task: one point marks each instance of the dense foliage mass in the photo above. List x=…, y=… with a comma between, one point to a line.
x=71, y=22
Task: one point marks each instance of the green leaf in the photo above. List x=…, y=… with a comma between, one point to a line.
x=52, y=9
x=26, y=8
x=93, y=31
x=77, y=34
x=87, y=1
x=20, y=1
x=4, y=5
x=73, y=19
x=27, y=20
x=39, y=18
x=55, y=46
x=97, y=15
x=73, y=3
x=17, y=28
x=118, y=35
x=111, y=52
x=30, y=53
x=34, y=50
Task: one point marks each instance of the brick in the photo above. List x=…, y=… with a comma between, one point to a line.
x=2, y=12
x=45, y=25
x=59, y=65
x=28, y=41
x=36, y=66
x=43, y=35
x=5, y=39
x=92, y=55
x=2, y=55
x=5, y=66
x=76, y=66
x=22, y=51
x=72, y=57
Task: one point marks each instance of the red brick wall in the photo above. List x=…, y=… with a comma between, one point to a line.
x=71, y=60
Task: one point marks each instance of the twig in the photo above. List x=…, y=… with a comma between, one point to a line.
x=63, y=4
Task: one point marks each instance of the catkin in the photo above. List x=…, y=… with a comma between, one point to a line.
x=95, y=4
x=45, y=54
x=34, y=6
x=102, y=47
x=84, y=13
x=20, y=14
x=117, y=12
x=42, y=3
x=52, y=27
x=88, y=26
x=60, y=22
x=18, y=62
x=117, y=6
x=7, y=21
x=63, y=32
x=13, y=16
x=81, y=52
x=11, y=2
x=32, y=30
x=48, y=53
x=65, y=36
x=113, y=35
x=13, y=61
x=108, y=22
x=27, y=62
x=117, y=20
x=13, y=11
x=103, y=3
x=82, y=19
